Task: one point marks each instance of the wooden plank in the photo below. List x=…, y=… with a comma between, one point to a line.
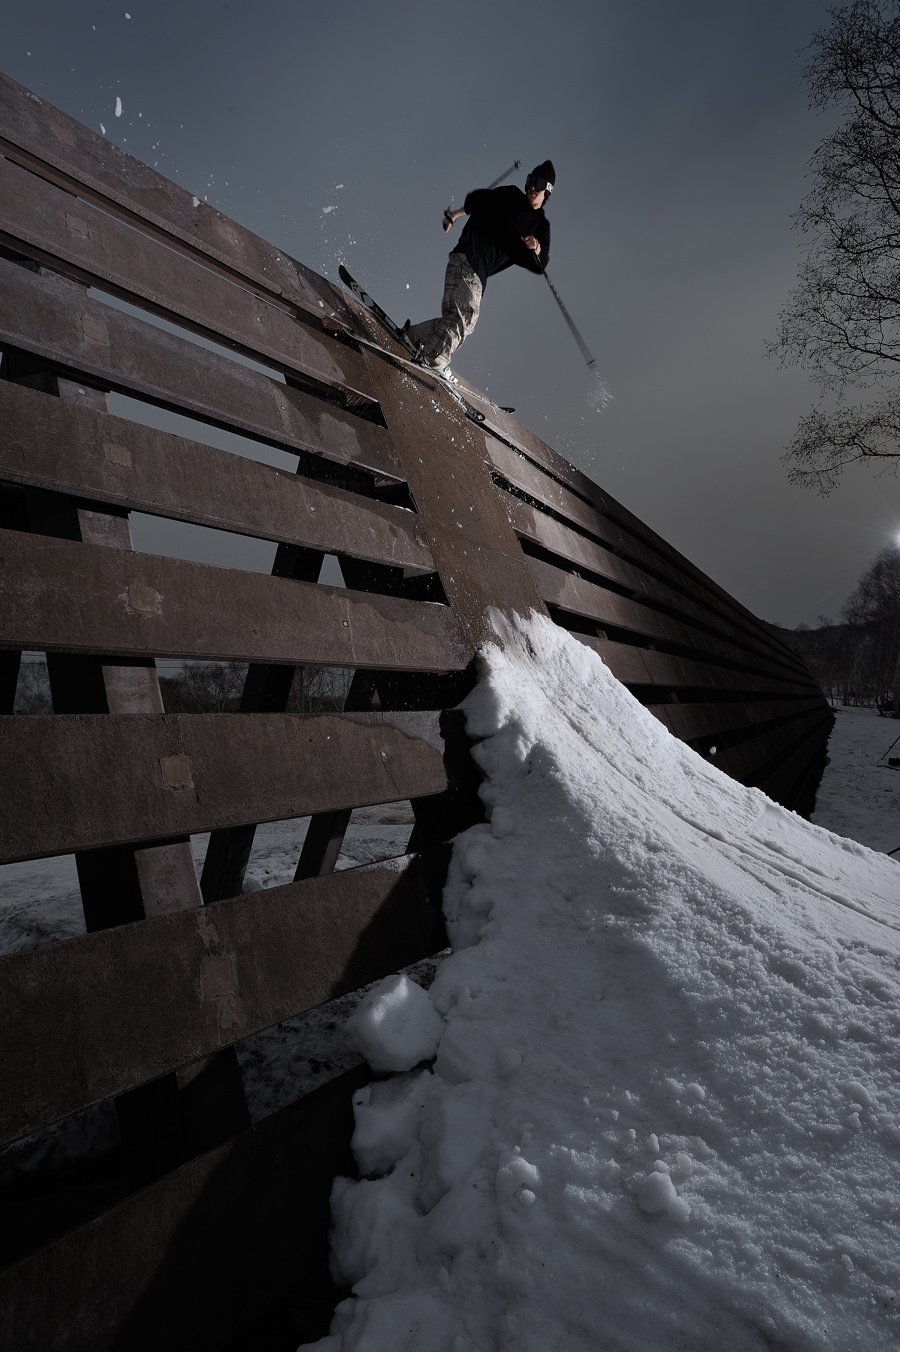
x=765, y=755
x=591, y=601
x=78, y=239
x=86, y=781
x=48, y=443
x=585, y=553
x=639, y=565
x=506, y=428
x=48, y=141
x=61, y=595
x=189, y=1262
x=52, y=317
x=639, y=666
x=796, y=780
x=227, y=971
x=690, y=722
x=540, y=486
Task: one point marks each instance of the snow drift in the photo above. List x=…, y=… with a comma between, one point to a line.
x=664, y=1110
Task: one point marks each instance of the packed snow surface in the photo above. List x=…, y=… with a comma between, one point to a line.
x=664, y=1111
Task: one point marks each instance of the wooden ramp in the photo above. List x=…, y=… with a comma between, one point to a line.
x=125, y=302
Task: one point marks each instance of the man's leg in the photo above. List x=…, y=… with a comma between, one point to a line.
x=459, y=314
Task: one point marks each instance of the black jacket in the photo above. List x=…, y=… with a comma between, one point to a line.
x=492, y=236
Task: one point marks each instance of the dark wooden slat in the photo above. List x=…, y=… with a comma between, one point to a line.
x=227, y=971
x=46, y=443
x=588, y=555
x=63, y=595
x=96, y=780
x=636, y=565
x=91, y=246
x=767, y=753
x=42, y=137
x=689, y=722
x=50, y=316
x=509, y=429
x=540, y=486
x=643, y=666
x=796, y=779
x=190, y=1261
x=593, y=602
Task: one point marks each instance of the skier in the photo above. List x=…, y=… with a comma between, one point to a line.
x=505, y=226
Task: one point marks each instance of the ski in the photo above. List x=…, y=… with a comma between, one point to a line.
x=375, y=309
x=403, y=338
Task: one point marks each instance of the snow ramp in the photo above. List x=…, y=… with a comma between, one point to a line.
x=663, y=1107
x=249, y=560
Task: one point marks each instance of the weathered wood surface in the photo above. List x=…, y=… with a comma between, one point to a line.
x=95, y=780
x=227, y=970
x=51, y=316
x=629, y=574
x=67, y=596
x=628, y=559
x=640, y=666
x=66, y=152
x=692, y=722
x=93, y=247
x=759, y=758
x=189, y=1262
x=48, y=443
x=573, y=594
x=795, y=780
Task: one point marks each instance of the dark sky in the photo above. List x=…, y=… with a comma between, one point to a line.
x=681, y=136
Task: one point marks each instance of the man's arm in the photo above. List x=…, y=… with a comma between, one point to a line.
x=475, y=201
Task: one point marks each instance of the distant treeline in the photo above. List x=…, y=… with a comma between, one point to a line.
x=855, y=657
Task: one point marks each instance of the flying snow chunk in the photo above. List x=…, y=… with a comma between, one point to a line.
x=118, y=107
x=395, y=1025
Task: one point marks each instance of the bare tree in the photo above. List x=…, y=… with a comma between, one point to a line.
x=842, y=320
x=205, y=687
x=872, y=612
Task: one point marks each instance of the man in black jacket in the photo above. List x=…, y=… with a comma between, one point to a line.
x=505, y=226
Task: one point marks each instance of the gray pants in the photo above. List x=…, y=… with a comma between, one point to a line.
x=459, y=313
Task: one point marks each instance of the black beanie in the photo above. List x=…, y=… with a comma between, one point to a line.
x=545, y=171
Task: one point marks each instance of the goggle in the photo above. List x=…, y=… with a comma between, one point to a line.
x=541, y=185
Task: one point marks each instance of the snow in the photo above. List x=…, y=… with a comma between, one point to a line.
x=664, y=1110
x=395, y=1025
x=859, y=795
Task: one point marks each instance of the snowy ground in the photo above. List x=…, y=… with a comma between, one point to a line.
x=859, y=795
x=664, y=1109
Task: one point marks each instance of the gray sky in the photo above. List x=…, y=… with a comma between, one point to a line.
x=681, y=138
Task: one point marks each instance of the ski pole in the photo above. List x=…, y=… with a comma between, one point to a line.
x=583, y=347
x=516, y=164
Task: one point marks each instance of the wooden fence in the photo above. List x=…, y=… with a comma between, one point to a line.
x=209, y=1232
